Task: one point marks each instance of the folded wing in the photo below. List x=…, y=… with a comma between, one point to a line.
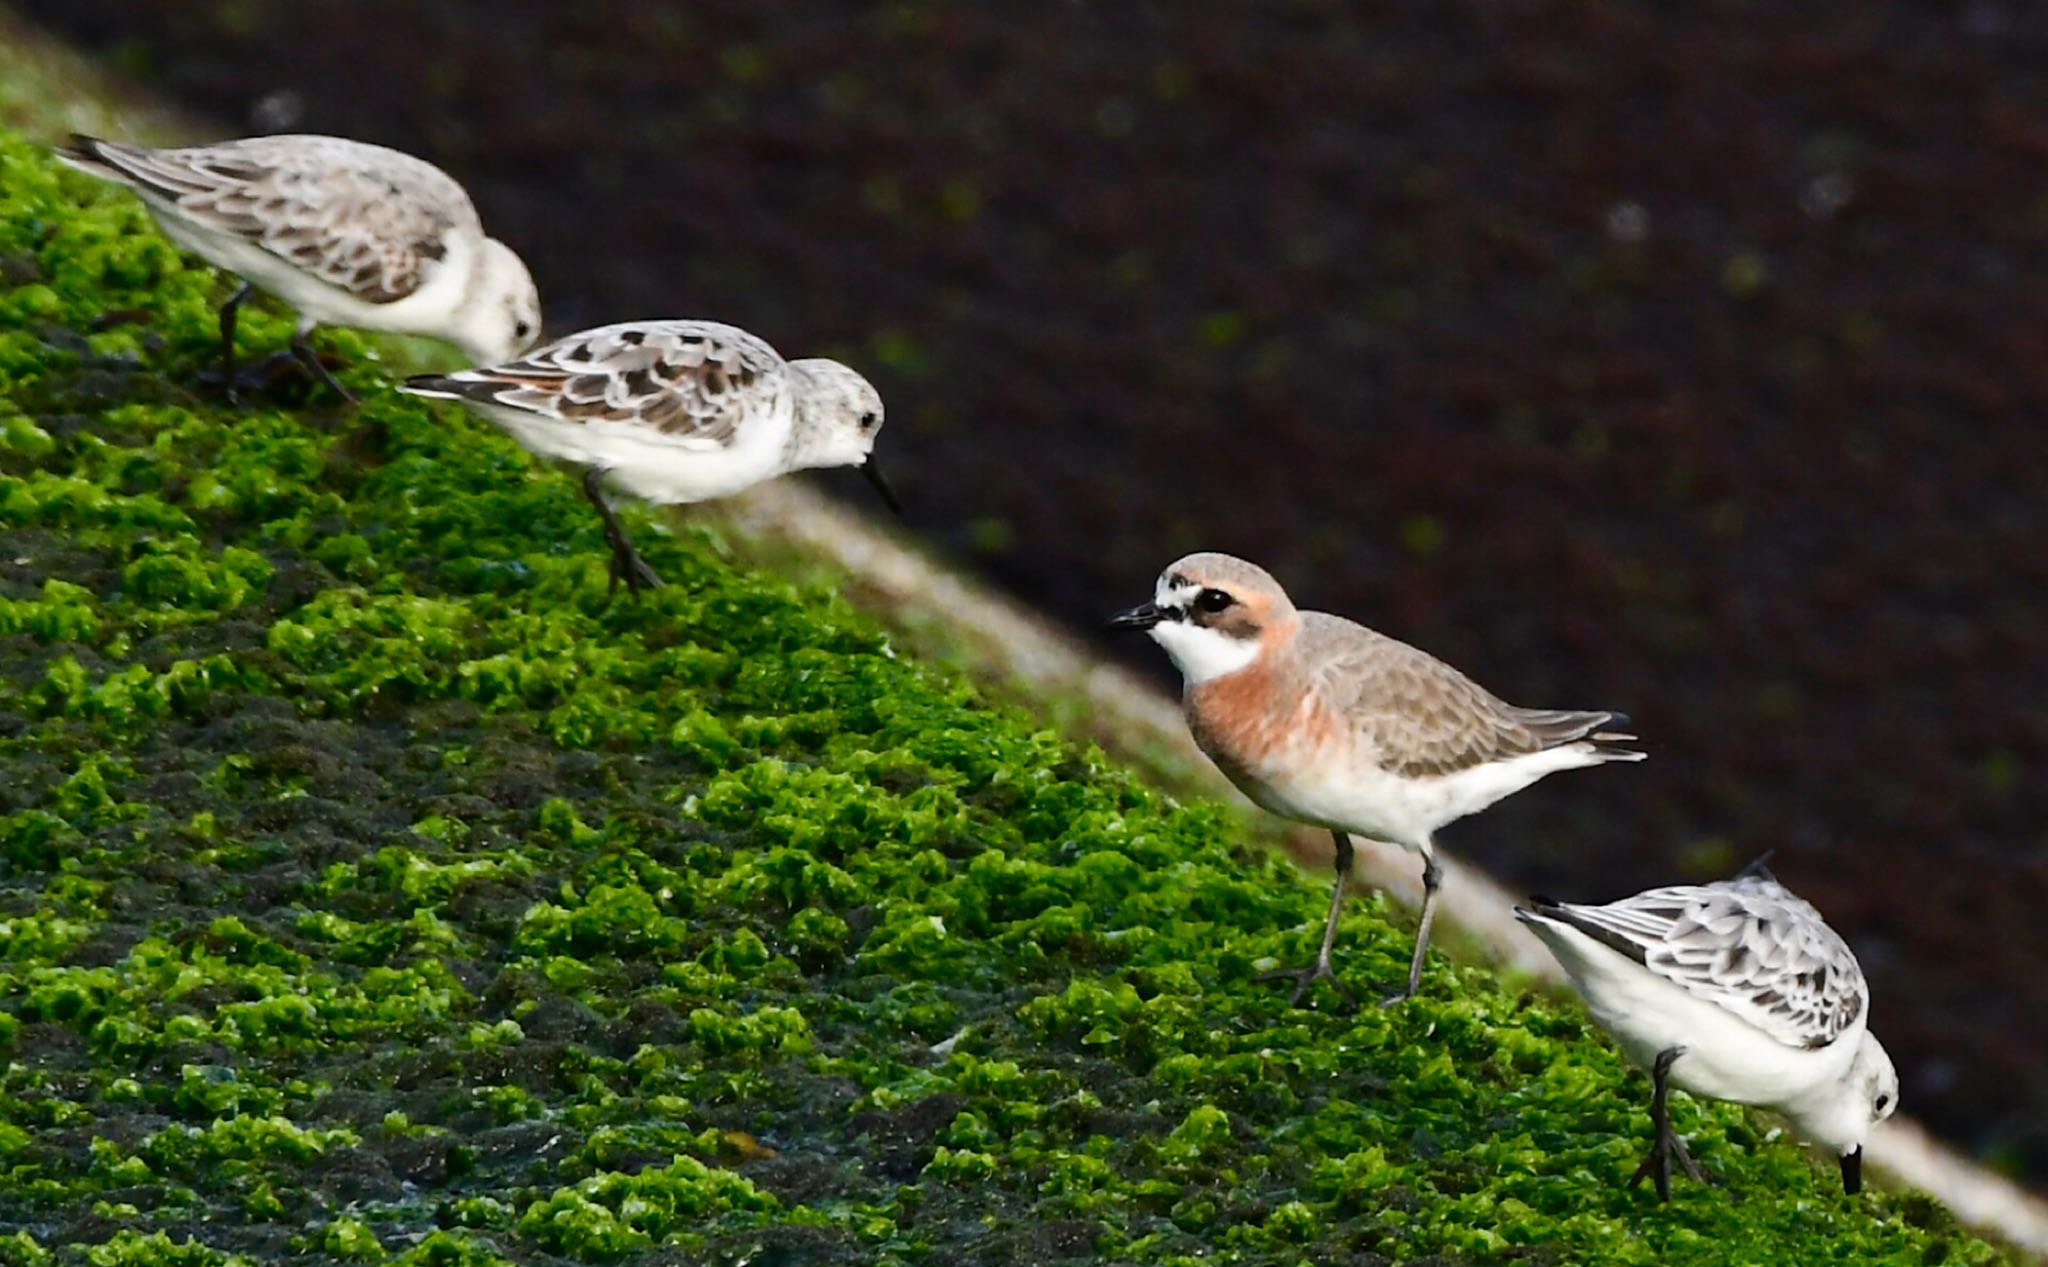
x=1746, y=945
x=1426, y=718
x=366, y=220
x=693, y=384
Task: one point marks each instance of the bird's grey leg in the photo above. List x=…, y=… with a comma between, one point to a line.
x=1432, y=880
x=302, y=348
x=1305, y=978
x=227, y=340
x=1658, y=1164
x=626, y=563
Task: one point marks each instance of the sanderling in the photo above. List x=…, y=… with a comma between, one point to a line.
x=348, y=234
x=1324, y=721
x=673, y=411
x=1737, y=991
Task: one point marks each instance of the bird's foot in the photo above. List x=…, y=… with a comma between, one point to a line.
x=629, y=567
x=262, y=378
x=1411, y=987
x=1305, y=979
x=236, y=390
x=309, y=359
x=1657, y=1166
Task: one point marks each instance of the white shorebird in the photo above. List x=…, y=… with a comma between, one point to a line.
x=1323, y=721
x=348, y=234
x=1735, y=991
x=673, y=412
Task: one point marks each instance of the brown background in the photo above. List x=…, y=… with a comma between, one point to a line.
x=1681, y=358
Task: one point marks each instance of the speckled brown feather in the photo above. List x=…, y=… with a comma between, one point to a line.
x=366, y=220
x=693, y=382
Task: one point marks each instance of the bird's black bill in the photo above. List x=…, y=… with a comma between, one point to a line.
x=1143, y=616
x=874, y=474
x=1852, y=1171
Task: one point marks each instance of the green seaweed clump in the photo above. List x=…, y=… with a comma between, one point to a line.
x=375, y=888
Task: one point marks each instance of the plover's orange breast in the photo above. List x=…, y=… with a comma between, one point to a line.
x=1265, y=729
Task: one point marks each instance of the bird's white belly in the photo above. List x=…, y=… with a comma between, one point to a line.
x=1725, y=1057
x=428, y=310
x=1351, y=793
x=657, y=471
x=1367, y=802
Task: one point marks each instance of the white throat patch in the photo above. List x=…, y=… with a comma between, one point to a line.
x=1201, y=654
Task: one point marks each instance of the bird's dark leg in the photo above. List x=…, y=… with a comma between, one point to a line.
x=1658, y=1164
x=1432, y=880
x=302, y=348
x=626, y=564
x=1305, y=978
x=227, y=341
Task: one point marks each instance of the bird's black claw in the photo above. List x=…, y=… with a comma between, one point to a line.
x=308, y=358
x=1305, y=979
x=628, y=566
x=1657, y=1166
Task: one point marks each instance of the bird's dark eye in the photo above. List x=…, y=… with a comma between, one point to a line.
x=522, y=330
x=1212, y=601
x=1883, y=1101
x=868, y=421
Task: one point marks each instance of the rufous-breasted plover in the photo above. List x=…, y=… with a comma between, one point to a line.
x=1324, y=721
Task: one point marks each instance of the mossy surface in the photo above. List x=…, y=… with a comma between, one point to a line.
x=372, y=888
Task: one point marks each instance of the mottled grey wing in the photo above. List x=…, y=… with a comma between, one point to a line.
x=1749, y=946
x=1423, y=717
x=695, y=384
x=366, y=220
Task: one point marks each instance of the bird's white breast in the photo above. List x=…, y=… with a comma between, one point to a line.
x=1317, y=767
x=650, y=466
x=1725, y=1057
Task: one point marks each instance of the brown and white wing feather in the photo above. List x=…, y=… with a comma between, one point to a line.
x=367, y=220
x=1747, y=945
x=1425, y=718
x=694, y=384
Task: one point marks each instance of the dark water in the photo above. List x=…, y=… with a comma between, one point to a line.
x=1686, y=359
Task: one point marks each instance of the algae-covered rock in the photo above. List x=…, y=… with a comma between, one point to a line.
x=373, y=888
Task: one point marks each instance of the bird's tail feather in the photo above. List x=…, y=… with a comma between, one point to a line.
x=1549, y=910
x=438, y=386
x=88, y=154
x=1604, y=729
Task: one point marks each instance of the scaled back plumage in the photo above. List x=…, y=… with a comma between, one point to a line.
x=365, y=219
x=694, y=384
x=1748, y=945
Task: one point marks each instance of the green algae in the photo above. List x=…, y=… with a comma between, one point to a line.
x=377, y=889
